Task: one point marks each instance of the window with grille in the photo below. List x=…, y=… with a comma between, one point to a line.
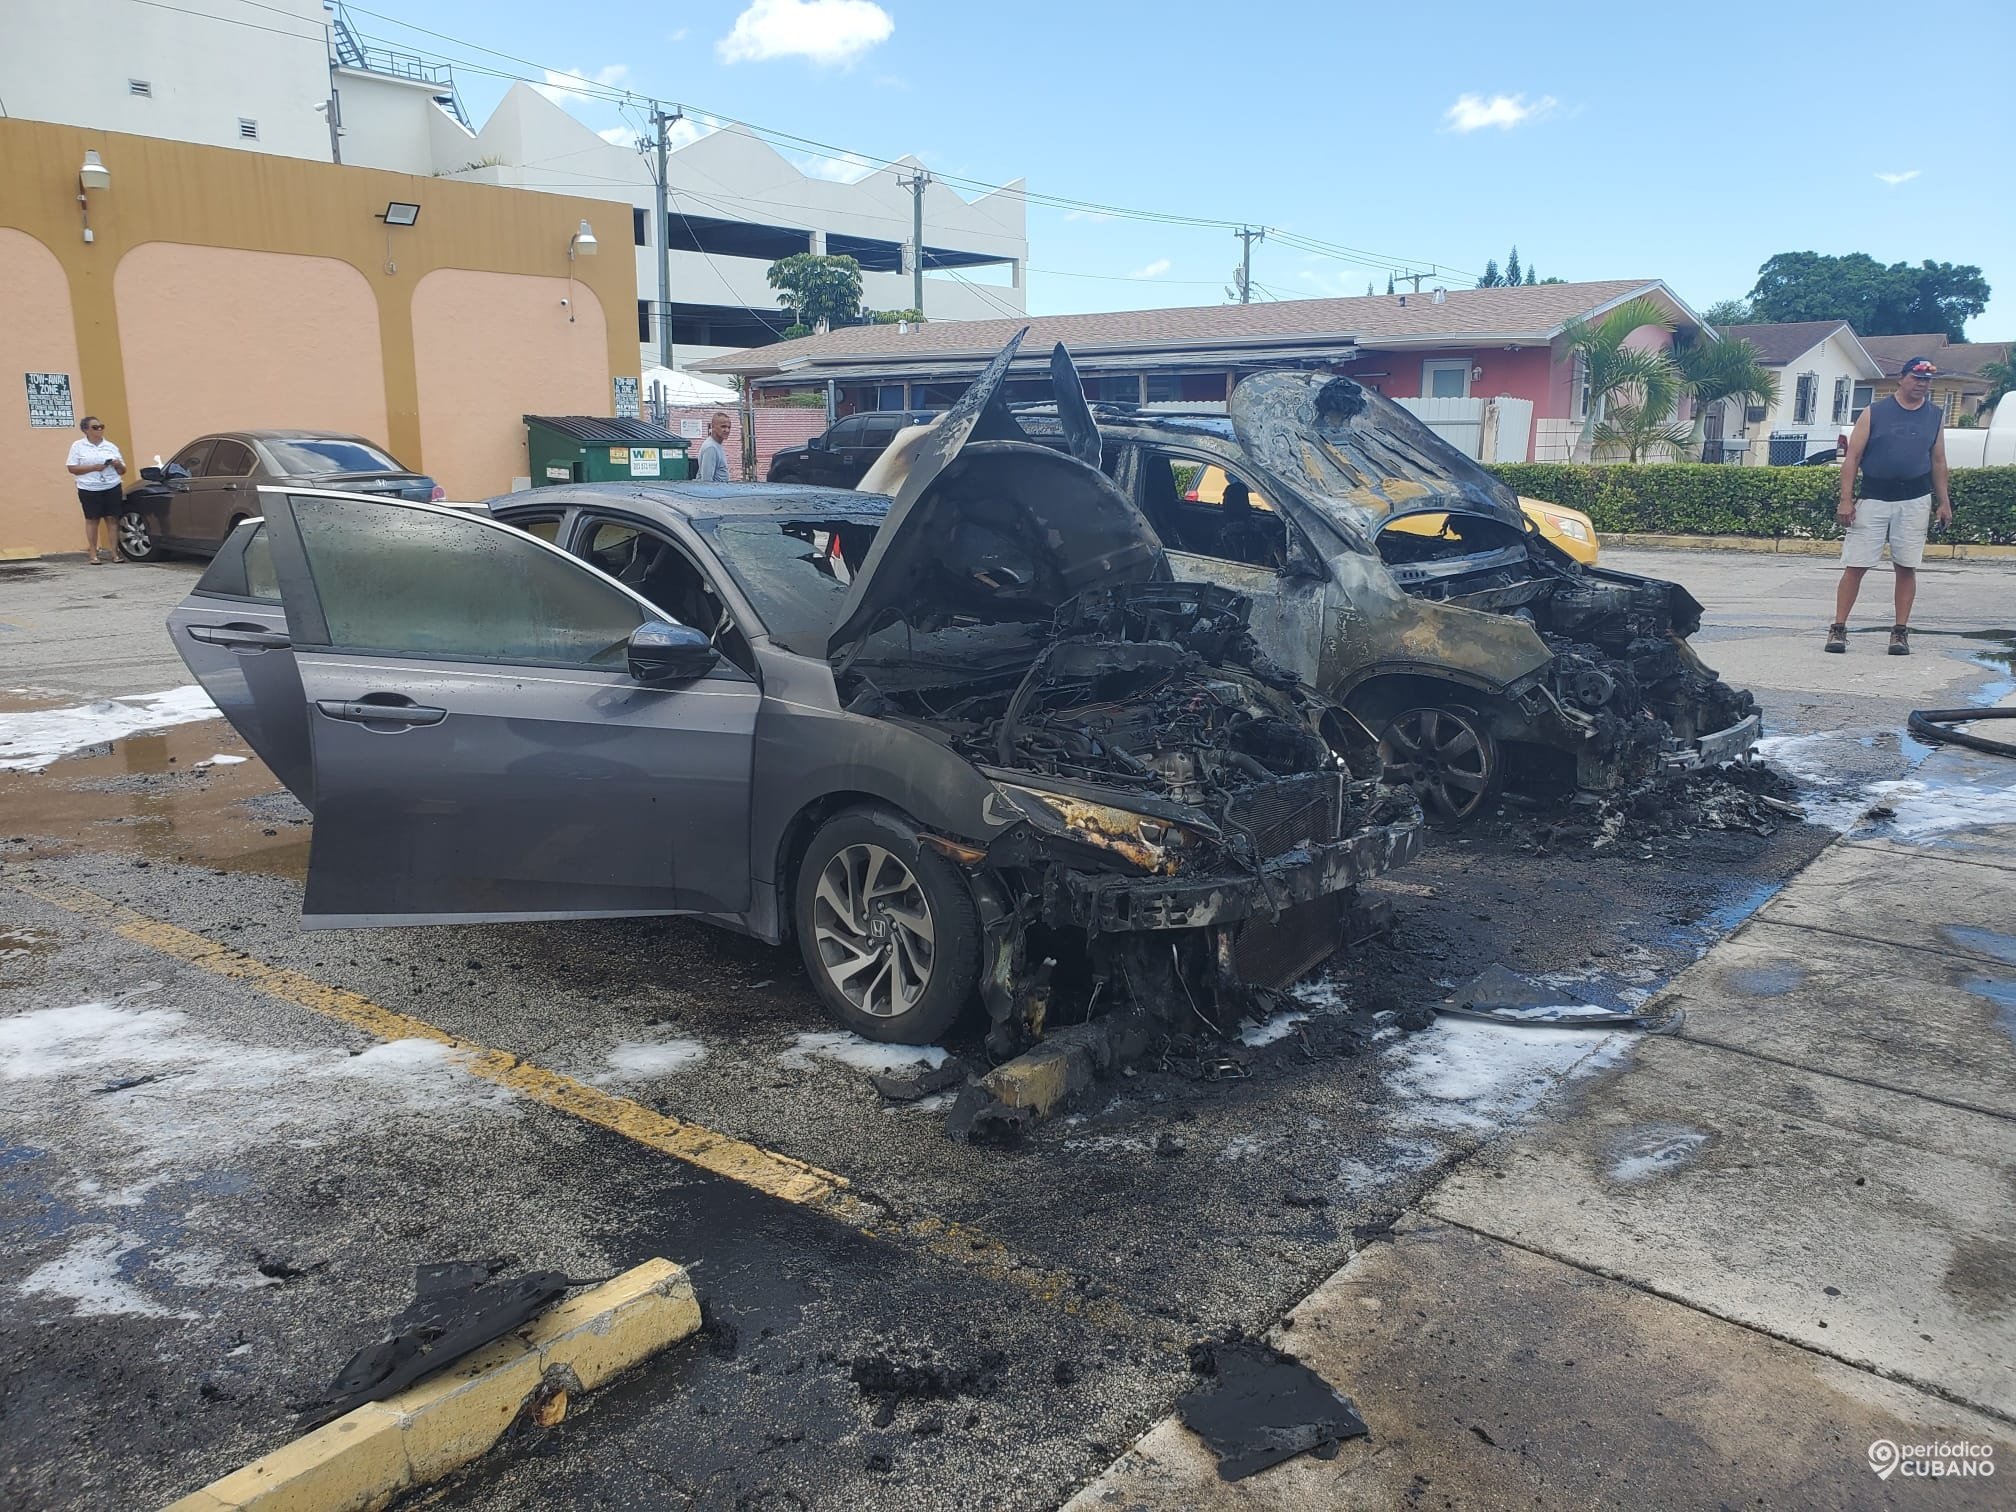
x=248, y=130
x=1840, y=400
x=1805, y=399
x=1865, y=394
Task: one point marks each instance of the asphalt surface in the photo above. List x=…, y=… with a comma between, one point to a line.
x=216, y=1183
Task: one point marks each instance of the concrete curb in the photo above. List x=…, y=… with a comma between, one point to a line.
x=1936, y=551
x=368, y=1457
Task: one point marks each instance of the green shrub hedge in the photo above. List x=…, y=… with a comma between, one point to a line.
x=1682, y=498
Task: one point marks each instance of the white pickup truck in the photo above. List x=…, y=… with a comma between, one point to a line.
x=1990, y=445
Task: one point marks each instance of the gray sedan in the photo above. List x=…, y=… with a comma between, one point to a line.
x=968, y=740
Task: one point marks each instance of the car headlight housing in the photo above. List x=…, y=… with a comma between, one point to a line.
x=1143, y=841
x=1570, y=527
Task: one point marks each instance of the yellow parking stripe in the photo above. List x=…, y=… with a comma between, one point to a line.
x=780, y=1176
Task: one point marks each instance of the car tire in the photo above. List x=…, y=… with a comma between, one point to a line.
x=887, y=928
x=1447, y=754
x=133, y=535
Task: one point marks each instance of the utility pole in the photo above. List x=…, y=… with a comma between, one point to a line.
x=1414, y=278
x=1247, y=236
x=915, y=184
x=661, y=121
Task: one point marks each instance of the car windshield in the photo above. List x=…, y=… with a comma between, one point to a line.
x=304, y=456
x=795, y=572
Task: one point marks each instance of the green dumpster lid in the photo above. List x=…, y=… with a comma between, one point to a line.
x=594, y=429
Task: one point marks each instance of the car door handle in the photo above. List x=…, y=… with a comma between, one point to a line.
x=240, y=637
x=380, y=713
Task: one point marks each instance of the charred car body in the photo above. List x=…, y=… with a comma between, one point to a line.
x=1481, y=653
x=971, y=737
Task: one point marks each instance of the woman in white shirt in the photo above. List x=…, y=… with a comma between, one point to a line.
x=97, y=467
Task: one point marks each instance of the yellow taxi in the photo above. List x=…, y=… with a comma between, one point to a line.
x=1570, y=529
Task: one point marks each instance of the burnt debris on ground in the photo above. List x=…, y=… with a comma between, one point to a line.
x=892, y=1375
x=1646, y=818
x=1262, y=1406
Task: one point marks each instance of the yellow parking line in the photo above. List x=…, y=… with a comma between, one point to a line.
x=780, y=1176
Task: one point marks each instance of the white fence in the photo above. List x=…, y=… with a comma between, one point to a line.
x=1491, y=430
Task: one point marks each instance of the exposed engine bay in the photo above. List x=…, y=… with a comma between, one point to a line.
x=1187, y=822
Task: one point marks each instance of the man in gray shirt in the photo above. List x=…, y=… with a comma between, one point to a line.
x=713, y=464
x=1899, y=448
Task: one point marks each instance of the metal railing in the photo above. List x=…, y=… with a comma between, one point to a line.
x=354, y=51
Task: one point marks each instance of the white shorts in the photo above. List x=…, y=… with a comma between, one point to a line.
x=1901, y=522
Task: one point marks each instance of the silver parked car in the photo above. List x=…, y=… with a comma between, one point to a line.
x=971, y=739
x=196, y=499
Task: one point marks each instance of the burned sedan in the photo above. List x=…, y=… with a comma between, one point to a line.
x=1484, y=656
x=973, y=737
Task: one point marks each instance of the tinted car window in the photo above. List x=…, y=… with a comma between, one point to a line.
x=192, y=457
x=847, y=432
x=228, y=459
x=261, y=582
x=304, y=456
x=410, y=580
x=794, y=572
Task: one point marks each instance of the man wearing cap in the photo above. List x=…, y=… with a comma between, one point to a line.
x=1900, y=450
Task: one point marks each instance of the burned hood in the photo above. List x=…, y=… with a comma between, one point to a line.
x=986, y=525
x=1358, y=452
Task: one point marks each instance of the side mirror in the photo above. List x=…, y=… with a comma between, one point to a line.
x=151, y=474
x=175, y=472
x=662, y=652
x=817, y=443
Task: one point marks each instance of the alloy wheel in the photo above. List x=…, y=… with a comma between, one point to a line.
x=134, y=537
x=873, y=928
x=1445, y=755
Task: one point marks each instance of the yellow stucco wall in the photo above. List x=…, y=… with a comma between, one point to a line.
x=38, y=500
x=281, y=340
x=227, y=289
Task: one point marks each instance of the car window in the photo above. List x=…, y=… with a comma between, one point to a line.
x=261, y=581
x=405, y=580
x=795, y=573
x=228, y=459
x=304, y=456
x=1199, y=506
x=847, y=432
x=658, y=568
x=242, y=569
x=879, y=431
x=192, y=457
x=545, y=529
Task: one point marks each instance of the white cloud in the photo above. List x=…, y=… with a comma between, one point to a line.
x=1473, y=112
x=620, y=136
x=826, y=31
x=1894, y=179
x=844, y=169
x=1154, y=270
x=561, y=86
x=679, y=35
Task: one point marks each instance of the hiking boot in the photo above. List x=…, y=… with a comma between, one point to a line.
x=1837, y=637
x=1900, y=641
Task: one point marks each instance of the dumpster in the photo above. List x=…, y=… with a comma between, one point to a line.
x=591, y=449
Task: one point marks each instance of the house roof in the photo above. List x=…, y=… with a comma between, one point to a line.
x=1961, y=359
x=1778, y=344
x=1528, y=313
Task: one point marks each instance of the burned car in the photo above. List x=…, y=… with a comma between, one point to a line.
x=1484, y=656
x=971, y=737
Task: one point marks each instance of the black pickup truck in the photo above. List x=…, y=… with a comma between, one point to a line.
x=839, y=458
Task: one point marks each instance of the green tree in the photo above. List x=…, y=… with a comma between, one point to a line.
x=1492, y=277
x=1717, y=370
x=1877, y=300
x=1389, y=283
x=2001, y=376
x=1512, y=274
x=817, y=288
x=1638, y=384
x=1728, y=312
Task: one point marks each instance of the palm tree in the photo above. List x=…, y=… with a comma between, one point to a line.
x=1717, y=370
x=1637, y=377
x=2001, y=378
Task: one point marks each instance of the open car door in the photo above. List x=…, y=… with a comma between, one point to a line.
x=478, y=745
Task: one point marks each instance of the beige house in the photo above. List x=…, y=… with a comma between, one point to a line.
x=1959, y=390
x=1824, y=377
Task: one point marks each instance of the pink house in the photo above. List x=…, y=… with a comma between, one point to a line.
x=1450, y=345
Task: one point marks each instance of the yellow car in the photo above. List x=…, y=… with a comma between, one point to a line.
x=1570, y=529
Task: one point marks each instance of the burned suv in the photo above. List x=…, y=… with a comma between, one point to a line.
x=1482, y=654
x=971, y=737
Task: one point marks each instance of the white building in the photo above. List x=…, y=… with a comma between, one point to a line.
x=294, y=77
x=1824, y=382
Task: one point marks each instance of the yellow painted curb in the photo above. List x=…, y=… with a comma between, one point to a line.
x=368, y=1457
x=1936, y=551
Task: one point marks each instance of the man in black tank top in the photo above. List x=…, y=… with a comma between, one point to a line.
x=1899, y=448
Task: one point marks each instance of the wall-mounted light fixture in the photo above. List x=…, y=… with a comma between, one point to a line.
x=582, y=243
x=93, y=175
x=399, y=213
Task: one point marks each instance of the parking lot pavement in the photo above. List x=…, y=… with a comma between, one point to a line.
x=94, y=631
x=198, y=1089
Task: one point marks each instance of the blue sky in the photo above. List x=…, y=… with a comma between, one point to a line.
x=1684, y=143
